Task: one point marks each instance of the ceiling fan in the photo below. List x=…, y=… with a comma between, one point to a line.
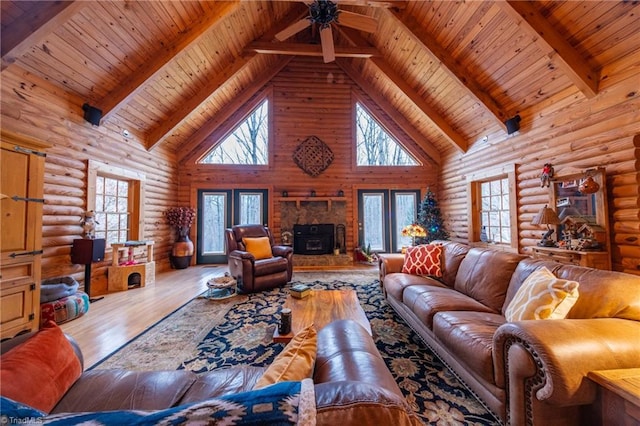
x=324, y=13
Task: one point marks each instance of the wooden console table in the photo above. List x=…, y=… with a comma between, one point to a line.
x=618, y=401
x=591, y=259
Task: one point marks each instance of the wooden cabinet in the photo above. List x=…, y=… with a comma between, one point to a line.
x=22, y=182
x=591, y=259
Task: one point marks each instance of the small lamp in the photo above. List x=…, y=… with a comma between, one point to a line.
x=546, y=216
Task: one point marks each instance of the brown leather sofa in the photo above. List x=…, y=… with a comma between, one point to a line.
x=525, y=372
x=257, y=275
x=352, y=383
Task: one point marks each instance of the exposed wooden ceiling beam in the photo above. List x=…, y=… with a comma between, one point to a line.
x=163, y=131
x=386, y=106
x=22, y=34
x=556, y=47
x=191, y=148
x=160, y=133
x=399, y=4
x=453, y=68
x=136, y=81
x=304, y=49
x=434, y=116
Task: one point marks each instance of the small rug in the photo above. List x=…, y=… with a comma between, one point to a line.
x=242, y=335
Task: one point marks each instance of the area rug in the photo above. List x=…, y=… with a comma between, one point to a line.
x=243, y=336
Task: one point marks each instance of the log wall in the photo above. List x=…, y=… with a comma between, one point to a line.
x=571, y=132
x=36, y=108
x=312, y=98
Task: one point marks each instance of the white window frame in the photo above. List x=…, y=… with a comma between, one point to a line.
x=136, y=193
x=474, y=182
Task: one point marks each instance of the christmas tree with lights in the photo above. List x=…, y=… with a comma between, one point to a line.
x=430, y=218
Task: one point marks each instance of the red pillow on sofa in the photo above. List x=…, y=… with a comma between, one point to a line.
x=39, y=371
x=423, y=260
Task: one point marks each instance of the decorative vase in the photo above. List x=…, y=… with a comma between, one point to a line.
x=182, y=250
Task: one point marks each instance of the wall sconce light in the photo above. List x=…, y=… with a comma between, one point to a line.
x=513, y=124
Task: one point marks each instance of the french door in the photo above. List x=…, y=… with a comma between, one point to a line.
x=219, y=209
x=382, y=213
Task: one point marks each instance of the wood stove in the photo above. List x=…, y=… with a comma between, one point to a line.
x=313, y=239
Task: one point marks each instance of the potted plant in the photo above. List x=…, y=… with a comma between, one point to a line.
x=181, y=219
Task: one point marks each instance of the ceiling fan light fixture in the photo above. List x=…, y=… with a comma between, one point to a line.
x=323, y=13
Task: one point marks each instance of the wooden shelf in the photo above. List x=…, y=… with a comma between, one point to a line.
x=298, y=200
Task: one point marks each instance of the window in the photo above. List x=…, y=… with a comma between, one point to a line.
x=493, y=208
x=115, y=194
x=494, y=211
x=382, y=213
x=375, y=146
x=247, y=144
x=112, y=209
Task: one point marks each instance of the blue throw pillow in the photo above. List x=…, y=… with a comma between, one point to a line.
x=279, y=404
x=12, y=412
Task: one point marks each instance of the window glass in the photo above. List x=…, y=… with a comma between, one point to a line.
x=375, y=146
x=247, y=144
x=494, y=214
x=112, y=215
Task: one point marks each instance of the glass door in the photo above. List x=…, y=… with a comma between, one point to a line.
x=221, y=209
x=382, y=213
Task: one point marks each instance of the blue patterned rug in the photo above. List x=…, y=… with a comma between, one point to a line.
x=244, y=337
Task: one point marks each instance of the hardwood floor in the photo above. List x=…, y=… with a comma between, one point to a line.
x=113, y=321
x=119, y=317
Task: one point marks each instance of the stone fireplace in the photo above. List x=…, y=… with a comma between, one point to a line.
x=315, y=223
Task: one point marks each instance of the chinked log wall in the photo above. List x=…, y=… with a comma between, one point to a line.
x=34, y=107
x=311, y=98
x=571, y=132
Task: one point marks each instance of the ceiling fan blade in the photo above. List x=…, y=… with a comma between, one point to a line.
x=293, y=29
x=357, y=21
x=328, y=49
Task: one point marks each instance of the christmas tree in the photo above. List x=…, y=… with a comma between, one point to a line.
x=430, y=218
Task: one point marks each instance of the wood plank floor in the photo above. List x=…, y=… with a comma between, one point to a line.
x=119, y=317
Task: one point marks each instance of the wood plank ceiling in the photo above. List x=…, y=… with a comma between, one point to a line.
x=163, y=70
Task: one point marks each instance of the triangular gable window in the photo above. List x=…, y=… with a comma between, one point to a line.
x=248, y=143
x=375, y=146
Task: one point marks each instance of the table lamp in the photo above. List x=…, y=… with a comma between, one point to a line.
x=546, y=216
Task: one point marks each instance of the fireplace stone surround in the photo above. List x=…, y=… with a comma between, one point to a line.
x=315, y=213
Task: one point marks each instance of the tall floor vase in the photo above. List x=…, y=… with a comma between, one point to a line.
x=182, y=250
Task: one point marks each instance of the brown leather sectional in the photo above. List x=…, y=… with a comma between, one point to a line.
x=525, y=372
x=352, y=384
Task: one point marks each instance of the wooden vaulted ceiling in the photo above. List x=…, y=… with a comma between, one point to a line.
x=168, y=71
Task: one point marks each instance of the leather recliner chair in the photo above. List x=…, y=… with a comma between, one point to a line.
x=257, y=275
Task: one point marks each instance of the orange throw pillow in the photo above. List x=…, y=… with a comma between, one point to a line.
x=295, y=362
x=259, y=247
x=423, y=260
x=41, y=370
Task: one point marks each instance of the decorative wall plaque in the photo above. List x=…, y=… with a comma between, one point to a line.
x=313, y=156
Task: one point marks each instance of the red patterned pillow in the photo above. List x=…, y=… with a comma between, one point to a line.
x=423, y=260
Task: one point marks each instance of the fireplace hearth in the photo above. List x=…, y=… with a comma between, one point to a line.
x=313, y=239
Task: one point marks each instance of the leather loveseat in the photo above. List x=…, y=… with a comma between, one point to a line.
x=351, y=383
x=530, y=372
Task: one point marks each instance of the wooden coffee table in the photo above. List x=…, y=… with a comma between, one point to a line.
x=320, y=308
